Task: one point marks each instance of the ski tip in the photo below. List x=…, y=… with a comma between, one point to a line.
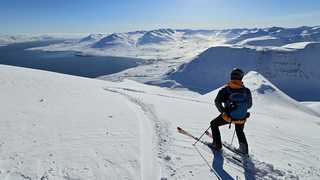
x=178, y=128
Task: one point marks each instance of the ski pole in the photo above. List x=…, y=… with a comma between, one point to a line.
x=201, y=136
x=234, y=132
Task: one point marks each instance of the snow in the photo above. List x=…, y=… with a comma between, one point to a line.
x=92, y=38
x=281, y=66
x=56, y=126
x=154, y=44
x=299, y=45
x=117, y=39
x=277, y=36
x=280, y=54
x=62, y=127
x=171, y=43
x=157, y=36
x=313, y=105
x=261, y=41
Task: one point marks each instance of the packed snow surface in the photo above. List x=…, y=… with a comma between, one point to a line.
x=56, y=126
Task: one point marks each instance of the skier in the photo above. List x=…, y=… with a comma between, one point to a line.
x=233, y=102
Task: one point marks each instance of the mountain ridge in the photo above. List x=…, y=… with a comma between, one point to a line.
x=281, y=66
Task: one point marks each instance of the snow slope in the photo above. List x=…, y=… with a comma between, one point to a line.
x=57, y=126
x=295, y=71
x=313, y=105
x=63, y=127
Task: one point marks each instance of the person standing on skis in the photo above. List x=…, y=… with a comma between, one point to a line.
x=233, y=102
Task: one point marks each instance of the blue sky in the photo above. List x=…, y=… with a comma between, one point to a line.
x=93, y=16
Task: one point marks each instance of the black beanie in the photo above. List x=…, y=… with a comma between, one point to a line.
x=236, y=74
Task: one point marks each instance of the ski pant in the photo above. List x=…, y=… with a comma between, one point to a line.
x=219, y=121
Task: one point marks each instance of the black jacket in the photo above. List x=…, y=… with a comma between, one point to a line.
x=223, y=97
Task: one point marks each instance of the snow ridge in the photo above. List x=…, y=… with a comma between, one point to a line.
x=277, y=36
x=211, y=69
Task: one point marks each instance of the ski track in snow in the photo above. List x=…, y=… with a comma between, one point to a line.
x=150, y=126
x=162, y=95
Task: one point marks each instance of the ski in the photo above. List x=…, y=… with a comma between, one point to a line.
x=229, y=147
x=237, y=157
x=184, y=132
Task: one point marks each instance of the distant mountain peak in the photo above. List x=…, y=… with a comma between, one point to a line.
x=92, y=37
x=258, y=83
x=157, y=36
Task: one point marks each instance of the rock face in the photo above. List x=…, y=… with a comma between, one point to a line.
x=294, y=71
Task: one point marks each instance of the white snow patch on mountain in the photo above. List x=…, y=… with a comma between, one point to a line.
x=261, y=41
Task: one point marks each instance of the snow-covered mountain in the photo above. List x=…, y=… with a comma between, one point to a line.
x=154, y=44
x=92, y=38
x=158, y=36
x=142, y=41
x=143, y=44
x=119, y=39
x=183, y=43
x=56, y=126
x=292, y=70
x=283, y=55
x=278, y=36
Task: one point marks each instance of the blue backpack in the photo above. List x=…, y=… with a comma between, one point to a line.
x=237, y=104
